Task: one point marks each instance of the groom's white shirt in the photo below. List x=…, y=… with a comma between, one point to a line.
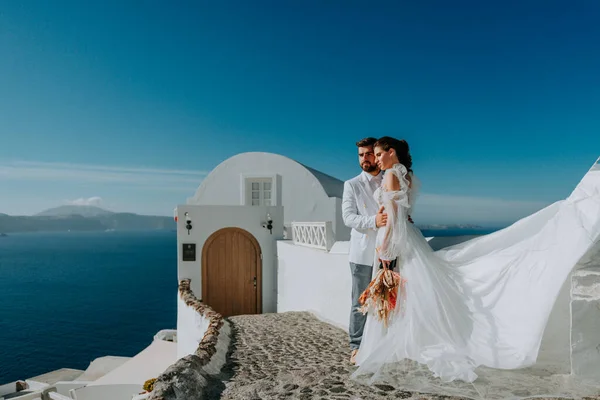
x=359, y=210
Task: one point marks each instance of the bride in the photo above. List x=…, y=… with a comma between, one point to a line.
x=471, y=312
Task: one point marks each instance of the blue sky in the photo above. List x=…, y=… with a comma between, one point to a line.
x=128, y=104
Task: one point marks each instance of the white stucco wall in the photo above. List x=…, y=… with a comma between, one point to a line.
x=208, y=219
x=8, y=388
x=305, y=194
x=191, y=328
x=342, y=231
x=585, y=309
x=316, y=281
x=124, y=391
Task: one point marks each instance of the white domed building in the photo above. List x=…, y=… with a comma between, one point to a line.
x=267, y=179
x=239, y=212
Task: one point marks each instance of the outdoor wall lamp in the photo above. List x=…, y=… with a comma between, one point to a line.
x=188, y=222
x=269, y=224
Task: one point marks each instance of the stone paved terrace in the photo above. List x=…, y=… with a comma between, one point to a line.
x=293, y=356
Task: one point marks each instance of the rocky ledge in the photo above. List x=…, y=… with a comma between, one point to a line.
x=187, y=379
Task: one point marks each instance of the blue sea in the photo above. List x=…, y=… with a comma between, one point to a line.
x=458, y=232
x=68, y=298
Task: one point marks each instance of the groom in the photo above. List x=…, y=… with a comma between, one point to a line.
x=361, y=212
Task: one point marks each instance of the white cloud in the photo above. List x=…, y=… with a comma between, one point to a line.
x=165, y=179
x=90, y=201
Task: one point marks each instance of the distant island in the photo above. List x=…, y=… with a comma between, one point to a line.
x=92, y=218
x=82, y=218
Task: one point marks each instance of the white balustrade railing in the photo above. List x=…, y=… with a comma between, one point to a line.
x=318, y=235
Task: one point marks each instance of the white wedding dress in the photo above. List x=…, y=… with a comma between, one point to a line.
x=477, y=309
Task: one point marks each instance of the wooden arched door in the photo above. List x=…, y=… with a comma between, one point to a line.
x=231, y=272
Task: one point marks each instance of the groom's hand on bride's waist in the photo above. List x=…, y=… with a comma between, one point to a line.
x=381, y=218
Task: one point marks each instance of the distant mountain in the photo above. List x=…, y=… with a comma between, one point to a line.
x=83, y=218
x=84, y=211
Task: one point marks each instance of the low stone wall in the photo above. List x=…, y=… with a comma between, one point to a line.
x=186, y=379
x=585, y=324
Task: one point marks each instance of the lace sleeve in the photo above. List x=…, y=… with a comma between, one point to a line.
x=397, y=205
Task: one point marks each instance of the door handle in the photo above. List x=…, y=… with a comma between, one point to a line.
x=255, y=282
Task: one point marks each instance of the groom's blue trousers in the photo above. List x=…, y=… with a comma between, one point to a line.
x=361, y=276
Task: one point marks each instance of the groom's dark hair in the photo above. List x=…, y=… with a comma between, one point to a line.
x=401, y=147
x=366, y=142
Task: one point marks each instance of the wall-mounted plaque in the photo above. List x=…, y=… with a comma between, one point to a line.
x=188, y=252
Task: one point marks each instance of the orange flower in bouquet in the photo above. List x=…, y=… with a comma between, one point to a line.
x=381, y=296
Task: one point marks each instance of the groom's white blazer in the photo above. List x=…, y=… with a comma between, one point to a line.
x=359, y=210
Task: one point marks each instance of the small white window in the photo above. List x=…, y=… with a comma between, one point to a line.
x=259, y=191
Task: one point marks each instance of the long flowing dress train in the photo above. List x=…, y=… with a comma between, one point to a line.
x=477, y=311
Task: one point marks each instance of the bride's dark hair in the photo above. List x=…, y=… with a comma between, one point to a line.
x=402, y=150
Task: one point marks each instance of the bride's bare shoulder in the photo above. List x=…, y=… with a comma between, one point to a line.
x=391, y=181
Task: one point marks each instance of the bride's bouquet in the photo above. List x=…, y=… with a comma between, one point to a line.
x=381, y=296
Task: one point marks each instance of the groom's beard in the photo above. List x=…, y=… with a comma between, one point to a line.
x=368, y=167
